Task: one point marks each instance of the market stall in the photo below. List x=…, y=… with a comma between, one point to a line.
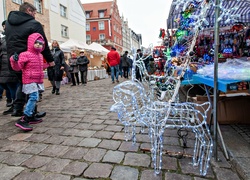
x=219, y=14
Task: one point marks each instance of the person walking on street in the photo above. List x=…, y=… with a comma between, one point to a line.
x=113, y=59
x=8, y=78
x=30, y=62
x=125, y=64
x=55, y=73
x=137, y=71
x=19, y=25
x=75, y=69
x=120, y=67
x=82, y=62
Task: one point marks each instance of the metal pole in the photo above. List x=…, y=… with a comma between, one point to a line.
x=215, y=99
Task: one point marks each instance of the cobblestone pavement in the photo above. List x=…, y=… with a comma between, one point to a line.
x=81, y=139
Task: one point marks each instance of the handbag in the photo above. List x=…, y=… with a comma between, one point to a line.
x=71, y=69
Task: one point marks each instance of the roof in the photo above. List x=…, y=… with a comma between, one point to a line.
x=96, y=7
x=99, y=48
x=243, y=11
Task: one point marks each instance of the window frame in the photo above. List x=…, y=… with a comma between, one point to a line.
x=100, y=27
x=101, y=14
x=63, y=11
x=102, y=34
x=18, y=1
x=39, y=6
x=88, y=35
x=87, y=15
x=63, y=27
x=87, y=26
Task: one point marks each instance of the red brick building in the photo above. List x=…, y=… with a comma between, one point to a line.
x=103, y=24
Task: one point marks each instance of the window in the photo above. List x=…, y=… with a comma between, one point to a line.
x=88, y=38
x=63, y=10
x=87, y=15
x=101, y=36
x=64, y=31
x=101, y=25
x=38, y=5
x=87, y=27
x=101, y=14
x=18, y=1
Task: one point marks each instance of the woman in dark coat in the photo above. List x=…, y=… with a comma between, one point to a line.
x=55, y=73
x=75, y=69
x=125, y=64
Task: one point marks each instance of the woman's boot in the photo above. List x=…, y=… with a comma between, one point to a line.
x=53, y=90
x=57, y=91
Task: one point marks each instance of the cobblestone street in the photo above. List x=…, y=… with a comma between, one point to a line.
x=81, y=139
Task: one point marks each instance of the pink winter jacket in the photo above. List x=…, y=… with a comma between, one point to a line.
x=30, y=62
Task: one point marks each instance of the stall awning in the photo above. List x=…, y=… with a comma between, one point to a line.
x=243, y=11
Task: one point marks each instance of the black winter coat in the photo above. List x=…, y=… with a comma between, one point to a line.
x=19, y=26
x=55, y=73
x=125, y=61
x=82, y=62
x=7, y=75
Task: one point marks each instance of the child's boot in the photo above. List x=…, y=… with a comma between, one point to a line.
x=23, y=123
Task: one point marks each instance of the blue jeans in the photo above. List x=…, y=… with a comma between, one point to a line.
x=31, y=104
x=114, y=72
x=10, y=90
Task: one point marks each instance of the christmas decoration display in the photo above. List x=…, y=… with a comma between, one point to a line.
x=152, y=103
x=162, y=33
x=234, y=69
x=138, y=105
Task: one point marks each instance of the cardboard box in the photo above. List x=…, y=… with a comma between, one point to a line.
x=231, y=110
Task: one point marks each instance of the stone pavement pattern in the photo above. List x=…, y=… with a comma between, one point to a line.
x=81, y=139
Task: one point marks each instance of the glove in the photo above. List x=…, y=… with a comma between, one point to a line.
x=15, y=56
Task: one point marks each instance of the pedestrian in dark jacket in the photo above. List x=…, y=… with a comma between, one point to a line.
x=82, y=62
x=19, y=25
x=120, y=66
x=55, y=73
x=74, y=74
x=125, y=64
x=137, y=70
x=8, y=78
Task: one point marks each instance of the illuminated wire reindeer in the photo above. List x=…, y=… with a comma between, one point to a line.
x=135, y=108
x=138, y=105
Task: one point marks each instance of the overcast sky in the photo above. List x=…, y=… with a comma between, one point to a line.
x=145, y=17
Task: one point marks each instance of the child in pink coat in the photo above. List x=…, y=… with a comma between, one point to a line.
x=31, y=64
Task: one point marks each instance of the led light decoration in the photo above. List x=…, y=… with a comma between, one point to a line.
x=138, y=106
x=153, y=102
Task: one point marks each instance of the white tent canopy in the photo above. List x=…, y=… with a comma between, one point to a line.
x=99, y=48
x=75, y=44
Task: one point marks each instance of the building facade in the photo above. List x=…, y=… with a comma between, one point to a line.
x=126, y=36
x=67, y=20
x=61, y=19
x=42, y=14
x=104, y=25
x=136, y=41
